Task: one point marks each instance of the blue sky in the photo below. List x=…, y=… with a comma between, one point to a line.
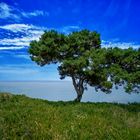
x=22, y=21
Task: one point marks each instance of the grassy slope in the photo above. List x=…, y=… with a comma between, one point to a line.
x=25, y=118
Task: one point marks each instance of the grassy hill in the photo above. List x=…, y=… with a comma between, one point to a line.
x=25, y=118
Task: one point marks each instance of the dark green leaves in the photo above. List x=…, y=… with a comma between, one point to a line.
x=80, y=56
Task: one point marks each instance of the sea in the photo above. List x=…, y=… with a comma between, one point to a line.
x=64, y=91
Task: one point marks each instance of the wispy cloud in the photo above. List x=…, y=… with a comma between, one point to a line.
x=30, y=33
x=11, y=12
x=6, y=11
x=34, y=14
x=12, y=48
x=17, y=27
x=123, y=45
x=23, y=41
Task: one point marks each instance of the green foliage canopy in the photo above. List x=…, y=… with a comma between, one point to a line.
x=80, y=56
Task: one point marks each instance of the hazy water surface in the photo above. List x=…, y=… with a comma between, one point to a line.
x=62, y=90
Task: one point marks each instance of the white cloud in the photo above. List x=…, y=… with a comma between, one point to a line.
x=6, y=11
x=12, y=48
x=31, y=32
x=34, y=13
x=16, y=41
x=10, y=12
x=22, y=27
x=24, y=41
x=17, y=27
x=123, y=45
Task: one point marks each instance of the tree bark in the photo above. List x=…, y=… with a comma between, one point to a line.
x=78, y=88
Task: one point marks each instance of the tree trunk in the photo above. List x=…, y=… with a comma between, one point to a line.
x=78, y=88
x=78, y=98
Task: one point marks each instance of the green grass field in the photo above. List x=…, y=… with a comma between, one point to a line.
x=25, y=118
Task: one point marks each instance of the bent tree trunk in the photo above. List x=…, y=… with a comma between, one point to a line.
x=78, y=85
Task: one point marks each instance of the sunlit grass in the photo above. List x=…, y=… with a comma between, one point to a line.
x=25, y=118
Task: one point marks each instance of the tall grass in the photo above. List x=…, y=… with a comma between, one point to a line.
x=25, y=118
